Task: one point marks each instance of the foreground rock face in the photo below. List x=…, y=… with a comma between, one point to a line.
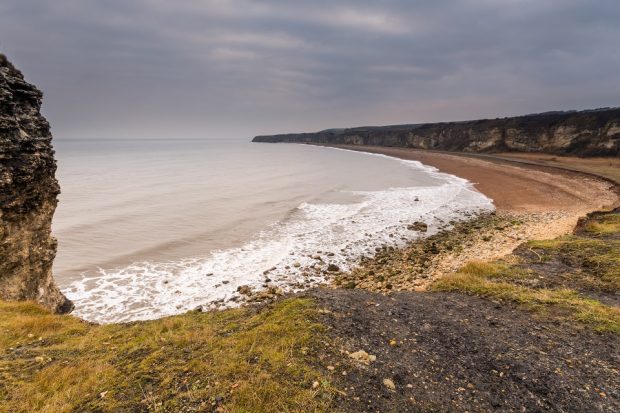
x=28, y=191
x=586, y=133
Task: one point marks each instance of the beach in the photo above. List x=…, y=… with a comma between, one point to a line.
x=533, y=202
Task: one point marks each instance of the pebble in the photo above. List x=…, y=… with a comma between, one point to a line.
x=389, y=384
x=363, y=357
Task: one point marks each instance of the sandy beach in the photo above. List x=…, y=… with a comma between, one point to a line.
x=515, y=187
x=541, y=203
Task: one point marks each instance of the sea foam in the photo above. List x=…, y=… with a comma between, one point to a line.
x=340, y=233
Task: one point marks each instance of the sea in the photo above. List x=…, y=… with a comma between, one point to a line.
x=151, y=228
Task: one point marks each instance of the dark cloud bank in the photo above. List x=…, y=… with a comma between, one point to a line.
x=237, y=68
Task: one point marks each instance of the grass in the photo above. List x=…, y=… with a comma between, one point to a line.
x=588, y=261
x=230, y=361
x=608, y=224
x=490, y=280
x=598, y=258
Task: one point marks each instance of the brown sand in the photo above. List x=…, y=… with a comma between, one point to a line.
x=606, y=167
x=547, y=201
x=515, y=187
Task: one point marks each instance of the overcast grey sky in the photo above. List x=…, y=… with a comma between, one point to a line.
x=236, y=68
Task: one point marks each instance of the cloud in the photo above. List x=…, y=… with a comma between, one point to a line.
x=240, y=67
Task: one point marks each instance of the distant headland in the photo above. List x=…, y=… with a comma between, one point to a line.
x=579, y=133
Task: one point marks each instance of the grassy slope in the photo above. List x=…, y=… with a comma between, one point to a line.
x=249, y=360
x=561, y=274
x=234, y=360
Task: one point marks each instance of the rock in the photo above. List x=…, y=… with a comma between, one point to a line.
x=418, y=226
x=333, y=268
x=28, y=195
x=296, y=265
x=389, y=384
x=245, y=290
x=315, y=384
x=363, y=357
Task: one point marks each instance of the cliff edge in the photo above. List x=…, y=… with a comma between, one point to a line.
x=28, y=195
x=585, y=133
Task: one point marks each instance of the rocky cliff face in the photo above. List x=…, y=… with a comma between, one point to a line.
x=586, y=133
x=28, y=191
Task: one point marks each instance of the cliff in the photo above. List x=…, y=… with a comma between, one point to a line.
x=28, y=195
x=586, y=133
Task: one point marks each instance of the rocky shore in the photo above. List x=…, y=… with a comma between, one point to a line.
x=537, y=330
x=511, y=311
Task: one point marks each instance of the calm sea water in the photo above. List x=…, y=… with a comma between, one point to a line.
x=152, y=228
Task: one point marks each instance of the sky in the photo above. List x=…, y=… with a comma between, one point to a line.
x=120, y=69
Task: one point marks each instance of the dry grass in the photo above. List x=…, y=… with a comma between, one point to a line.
x=606, y=225
x=485, y=280
x=234, y=360
x=598, y=259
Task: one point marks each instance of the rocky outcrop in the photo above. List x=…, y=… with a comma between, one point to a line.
x=586, y=133
x=28, y=195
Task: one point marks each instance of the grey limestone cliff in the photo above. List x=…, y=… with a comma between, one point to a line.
x=585, y=133
x=28, y=195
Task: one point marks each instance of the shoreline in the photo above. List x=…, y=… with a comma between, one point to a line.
x=535, y=330
x=533, y=202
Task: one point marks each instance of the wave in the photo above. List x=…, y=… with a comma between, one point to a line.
x=338, y=233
